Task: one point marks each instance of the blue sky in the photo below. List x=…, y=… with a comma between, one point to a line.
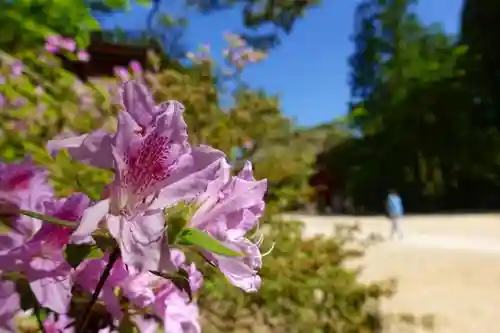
x=309, y=69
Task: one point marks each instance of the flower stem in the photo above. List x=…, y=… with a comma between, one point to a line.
x=113, y=257
x=36, y=308
x=50, y=219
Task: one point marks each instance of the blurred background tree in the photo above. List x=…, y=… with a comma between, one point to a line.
x=278, y=17
x=424, y=109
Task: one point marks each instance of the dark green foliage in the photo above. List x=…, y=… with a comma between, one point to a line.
x=426, y=106
x=26, y=23
x=280, y=15
x=76, y=253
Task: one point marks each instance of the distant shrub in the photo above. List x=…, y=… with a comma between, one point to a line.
x=306, y=288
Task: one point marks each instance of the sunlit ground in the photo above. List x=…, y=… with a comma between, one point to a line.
x=448, y=266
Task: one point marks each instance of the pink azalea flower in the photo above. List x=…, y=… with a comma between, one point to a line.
x=88, y=273
x=68, y=44
x=53, y=43
x=16, y=68
x=178, y=315
x=24, y=186
x=93, y=149
x=122, y=73
x=143, y=288
x=138, y=288
x=9, y=306
x=50, y=48
x=54, y=40
x=41, y=257
x=230, y=208
x=195, y=277
x=155, y=167
x=19, y=102
x=58, y=325
x=136, y=67
x=47, y=272
x=69, y=209
x=83, y=56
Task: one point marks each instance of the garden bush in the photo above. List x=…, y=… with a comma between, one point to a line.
x=306, y=288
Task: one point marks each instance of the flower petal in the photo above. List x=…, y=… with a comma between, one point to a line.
x=166, y=263
x=127, y=135
x=244, y=195
x=170, y=121
x=239, y=273
x=140, y=240
x=246, y=172
x=53, y=292
x=90, y=220
x=10, y=240
x=93, y=149
x=209, y=199
x=191, y=177
x=112, y=303
x=138, y=102
x=10, y=305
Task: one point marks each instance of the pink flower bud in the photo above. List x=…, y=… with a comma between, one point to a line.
x=54, y=40
x=136, y=67
x=50, y=48
x=83, y=56
x=122, y=73
x=68, y=44
x=17, y=68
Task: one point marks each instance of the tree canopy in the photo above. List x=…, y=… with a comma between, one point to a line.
x=425, y=103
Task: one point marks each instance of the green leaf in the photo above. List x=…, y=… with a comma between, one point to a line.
x=177, y=217
x=117, y=4
x=49, y=219
x=190, y=236
x=24, y=291
x=90, y=24
x=144, y=3
x=180, y=279
x=126, y=325
x=104, y=242
x=81, y=188
x=76, y=253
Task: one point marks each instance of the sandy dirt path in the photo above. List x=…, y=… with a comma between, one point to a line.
x=447, y=266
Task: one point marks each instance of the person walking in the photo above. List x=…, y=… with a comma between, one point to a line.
x=395, y=211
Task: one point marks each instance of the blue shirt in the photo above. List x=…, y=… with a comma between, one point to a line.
x=394, y=205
